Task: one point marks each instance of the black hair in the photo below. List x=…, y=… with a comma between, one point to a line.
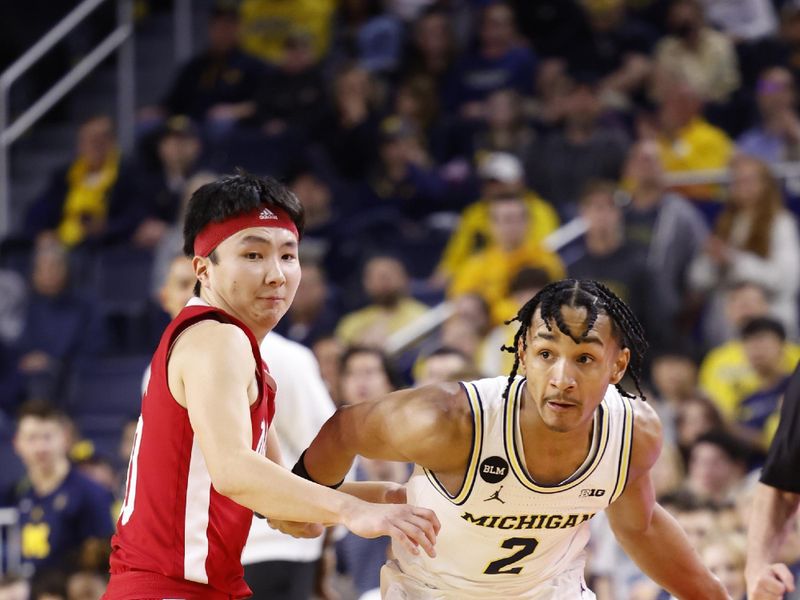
x=388, y=368
x=41, y=409
x=234, y=195
x=759, y=325
x=596, y=299
x=733, y=447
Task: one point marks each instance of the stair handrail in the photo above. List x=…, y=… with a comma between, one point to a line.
x=119, y=40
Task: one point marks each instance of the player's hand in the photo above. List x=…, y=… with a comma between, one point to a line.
x=772, y=583
x=295, y=529
x=407, y=525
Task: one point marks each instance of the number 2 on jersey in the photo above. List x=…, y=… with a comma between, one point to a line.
x=498, y=567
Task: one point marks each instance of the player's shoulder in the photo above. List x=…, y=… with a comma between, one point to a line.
x=647, y=435
x=212, y=342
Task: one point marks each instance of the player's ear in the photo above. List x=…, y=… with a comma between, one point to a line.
x=200, y=266
x=620, y=365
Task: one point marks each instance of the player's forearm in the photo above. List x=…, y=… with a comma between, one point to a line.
x=683, y=575
x=333, y=451
x=273, y=491
x=770, y=512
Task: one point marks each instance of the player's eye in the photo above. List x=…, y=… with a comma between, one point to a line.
x=289, y=257
x=585, y=359
x=253, y=256
x=545, y=354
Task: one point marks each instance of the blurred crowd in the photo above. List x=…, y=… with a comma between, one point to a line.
x=443, y=151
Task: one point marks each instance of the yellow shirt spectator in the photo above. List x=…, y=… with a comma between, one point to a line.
x=267, y=23
x=373, y=324
x=727, y=377
x=473, y=229
x=698, y=145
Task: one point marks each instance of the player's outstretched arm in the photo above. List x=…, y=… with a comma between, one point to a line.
x=767, y=579
x=647, y=532
x=429, y=426
x=210, y=370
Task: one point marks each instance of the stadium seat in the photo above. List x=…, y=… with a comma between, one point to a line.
x=122, y=279
x=107, y=387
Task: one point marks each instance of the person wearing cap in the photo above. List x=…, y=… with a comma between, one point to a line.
x=202, y=461
x=501, y=174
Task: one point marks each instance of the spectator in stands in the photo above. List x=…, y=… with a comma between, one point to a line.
x=611, y=259
x=148, y=198
x=218, y=85
x=704, y=57
x=289, y=96
x=171, y=243
x=443, y=364
x=489, y=272
x=14, y=587
x=776, y=136
x=367, y=375
x=349, y=133
x=64, y=516
x=728, y=376
x=673, y=373
x=60, y=325
x=696, y=417
x=501, y=174
x=686, y=141
x=504, y=128
x=278, y=566
x=584, y=149
x=615, y=46
x=75, y=203
x=717, y=466
x=385, y=281
x=328, y=351
x=666, y=225
x=313, y=314
x=404, y=183
x=724, y=555
x=499, y=61
x=178, y=285
x=432, y=46
x=743, y=300
x=755, y=239
x=756, y=410
x=267, y=23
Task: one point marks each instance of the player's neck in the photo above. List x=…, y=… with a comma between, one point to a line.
x=46, y=480
x=212, y=299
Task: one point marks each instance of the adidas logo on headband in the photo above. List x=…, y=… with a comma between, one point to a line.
x=267, y=214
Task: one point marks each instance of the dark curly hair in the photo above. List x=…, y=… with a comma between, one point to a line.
x=596, y=299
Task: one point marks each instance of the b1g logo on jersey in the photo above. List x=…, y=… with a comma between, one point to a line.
x=592, y=493
x=494, y=469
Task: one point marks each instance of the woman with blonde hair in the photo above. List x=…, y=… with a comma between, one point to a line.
x=755, y=240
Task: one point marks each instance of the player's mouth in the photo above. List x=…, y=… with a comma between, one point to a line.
x=560, y=406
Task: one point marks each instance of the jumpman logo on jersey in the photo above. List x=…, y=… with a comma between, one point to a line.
x=496, y=496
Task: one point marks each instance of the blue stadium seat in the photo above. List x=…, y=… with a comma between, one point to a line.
x=106, y=387
x=122, y=279
x=12, y=469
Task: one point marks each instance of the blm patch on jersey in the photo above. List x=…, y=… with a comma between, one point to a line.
x=494, y=469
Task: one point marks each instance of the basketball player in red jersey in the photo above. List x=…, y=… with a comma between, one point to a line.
x=198, y=468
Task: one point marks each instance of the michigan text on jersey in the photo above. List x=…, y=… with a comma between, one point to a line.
x=527, y=521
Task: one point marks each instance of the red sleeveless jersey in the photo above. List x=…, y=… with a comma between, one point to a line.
x=176, y=536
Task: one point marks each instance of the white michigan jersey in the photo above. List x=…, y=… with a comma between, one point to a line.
x=503, y=534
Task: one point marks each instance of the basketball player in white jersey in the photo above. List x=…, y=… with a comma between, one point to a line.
x=516, y=467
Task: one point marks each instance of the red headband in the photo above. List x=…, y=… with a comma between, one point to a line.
x=213, y=234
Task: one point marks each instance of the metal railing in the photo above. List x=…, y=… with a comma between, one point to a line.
x=426, y=323
x=10, y=548
x=119, y=40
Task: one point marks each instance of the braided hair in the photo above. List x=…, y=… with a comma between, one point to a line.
x=596, y=299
